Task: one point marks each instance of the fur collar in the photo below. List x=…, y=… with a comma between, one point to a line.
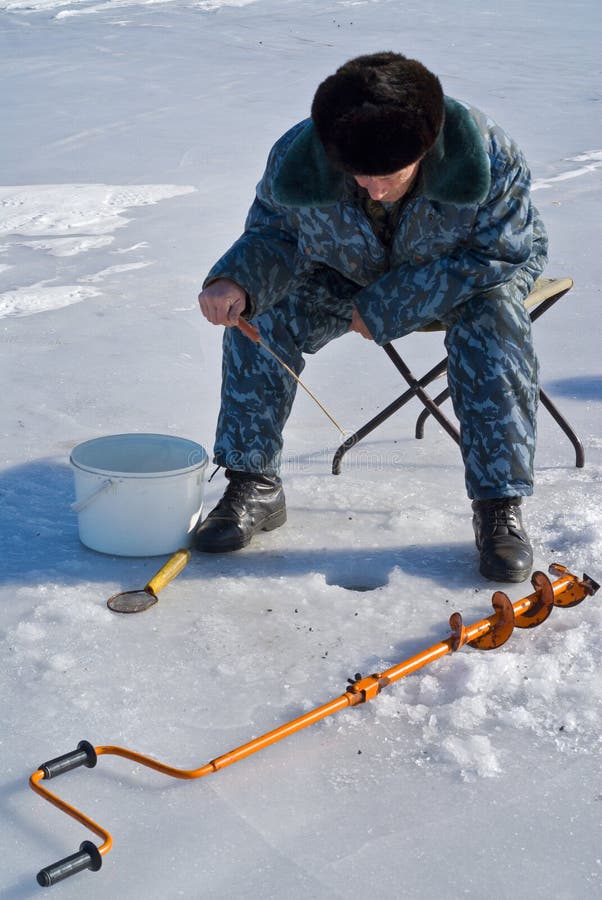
x=456, y=170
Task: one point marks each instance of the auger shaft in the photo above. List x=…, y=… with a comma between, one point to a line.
x=487, y=634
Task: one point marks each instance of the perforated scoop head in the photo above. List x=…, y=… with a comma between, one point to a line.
x=138, y=601
x=132, y=601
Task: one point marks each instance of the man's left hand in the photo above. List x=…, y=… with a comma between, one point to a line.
x=358, y=324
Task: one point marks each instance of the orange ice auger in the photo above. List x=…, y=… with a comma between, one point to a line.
x=488, y=634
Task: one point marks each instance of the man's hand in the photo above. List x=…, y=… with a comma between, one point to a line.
x=222, y=302
x=358, y=324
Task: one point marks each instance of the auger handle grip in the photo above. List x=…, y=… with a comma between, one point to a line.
x=85, y=755
x=87, y=857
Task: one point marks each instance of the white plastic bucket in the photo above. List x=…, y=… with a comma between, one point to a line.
x=138, y=494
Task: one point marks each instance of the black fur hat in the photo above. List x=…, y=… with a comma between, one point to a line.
x=378, y=113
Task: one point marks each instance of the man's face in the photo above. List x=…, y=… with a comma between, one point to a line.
x=389, y=188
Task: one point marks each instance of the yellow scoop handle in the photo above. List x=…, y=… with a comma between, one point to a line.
x=169, y=571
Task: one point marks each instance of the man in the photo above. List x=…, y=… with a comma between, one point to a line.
x=391, y=208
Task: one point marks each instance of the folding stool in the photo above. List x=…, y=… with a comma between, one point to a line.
x=546, y=292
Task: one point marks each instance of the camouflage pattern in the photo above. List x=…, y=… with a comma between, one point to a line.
x=257, y=392
x=467, y=265
x=493, y=380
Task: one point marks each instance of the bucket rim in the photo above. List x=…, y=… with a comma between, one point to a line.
x=194, y=446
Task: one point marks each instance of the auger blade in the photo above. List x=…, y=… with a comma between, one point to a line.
x=569, y=590
x=502, y=625
x=541, y=603
x=458, y=631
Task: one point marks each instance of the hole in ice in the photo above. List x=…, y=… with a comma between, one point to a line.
x=357, y=581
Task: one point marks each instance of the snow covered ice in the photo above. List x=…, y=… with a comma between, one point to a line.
x=133, y=136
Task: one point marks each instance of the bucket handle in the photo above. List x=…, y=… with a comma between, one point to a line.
x=81, y=504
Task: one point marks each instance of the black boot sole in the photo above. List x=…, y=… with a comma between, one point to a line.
x=275, y=520
x=505, y=575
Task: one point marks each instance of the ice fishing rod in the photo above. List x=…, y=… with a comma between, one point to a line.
x=487, y=634
x=253, y=334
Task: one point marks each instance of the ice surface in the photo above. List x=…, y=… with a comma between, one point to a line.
x=133, y=136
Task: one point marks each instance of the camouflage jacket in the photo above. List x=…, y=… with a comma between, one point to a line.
x=468, y=228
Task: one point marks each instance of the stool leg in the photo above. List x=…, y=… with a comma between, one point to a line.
x=416, y=389
x=417, y=386
x=546, y=402
x=355, y=438
x=420, y=421
x=559, y=418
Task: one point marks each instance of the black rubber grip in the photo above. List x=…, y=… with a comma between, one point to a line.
x=88, y=857
x=85, y=755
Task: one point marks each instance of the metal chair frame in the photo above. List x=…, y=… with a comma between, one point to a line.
x=546, y=293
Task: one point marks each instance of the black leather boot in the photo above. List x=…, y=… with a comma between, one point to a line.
x=251, y=503
x=504, y=547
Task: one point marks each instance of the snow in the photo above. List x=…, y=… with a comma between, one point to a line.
x=133, y=136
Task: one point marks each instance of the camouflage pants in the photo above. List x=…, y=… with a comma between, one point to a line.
x=492, y=376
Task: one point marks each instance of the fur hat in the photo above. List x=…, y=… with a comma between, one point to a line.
x=378, y=113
